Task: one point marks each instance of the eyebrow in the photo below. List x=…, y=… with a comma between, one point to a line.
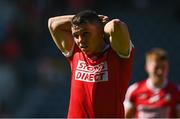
x=76, y=31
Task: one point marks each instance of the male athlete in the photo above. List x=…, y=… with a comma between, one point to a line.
x=100, y=54
x=154, y=97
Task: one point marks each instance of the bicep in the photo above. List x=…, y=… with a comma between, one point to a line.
x=129, y=106
x=119, y=36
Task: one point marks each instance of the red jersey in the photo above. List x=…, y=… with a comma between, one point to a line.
x=98, y=87
x=152, y=102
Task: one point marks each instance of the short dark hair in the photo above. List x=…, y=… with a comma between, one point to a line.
x=85, y=17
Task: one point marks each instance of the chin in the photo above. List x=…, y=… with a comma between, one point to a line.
x=160, y=77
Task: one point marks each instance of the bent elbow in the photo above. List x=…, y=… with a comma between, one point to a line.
x=51, y=25
x=118, y=23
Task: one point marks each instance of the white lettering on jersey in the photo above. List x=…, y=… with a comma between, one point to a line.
x=142, y=96
x=91, y=73
x=154, y=98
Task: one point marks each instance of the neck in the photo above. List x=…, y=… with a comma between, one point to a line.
x=97, y=55
x=151, y=85
x=157, y=81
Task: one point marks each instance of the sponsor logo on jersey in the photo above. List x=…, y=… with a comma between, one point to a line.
x=91, y=73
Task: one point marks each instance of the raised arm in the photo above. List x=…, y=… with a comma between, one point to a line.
x=119, y=36
x=60, y=29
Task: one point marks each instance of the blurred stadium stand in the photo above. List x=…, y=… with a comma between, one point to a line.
x=34, y=76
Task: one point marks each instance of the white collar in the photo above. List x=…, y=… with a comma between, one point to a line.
x=152, y=87
x=103, y=52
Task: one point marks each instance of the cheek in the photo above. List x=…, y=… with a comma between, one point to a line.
x=91, y=41
x=150, y=67
x=165, y=69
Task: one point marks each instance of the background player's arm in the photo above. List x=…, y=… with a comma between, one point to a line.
x=119, y=36
x=129, y=102
x=130, y=112
x=60, y=29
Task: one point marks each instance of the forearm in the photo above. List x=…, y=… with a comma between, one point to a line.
x=60, y=29
x=60, y=22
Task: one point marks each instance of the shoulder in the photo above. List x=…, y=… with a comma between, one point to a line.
x=173, y=87
x=137, y=84
x=134, y=87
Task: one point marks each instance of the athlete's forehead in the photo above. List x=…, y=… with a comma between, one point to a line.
x=78, y=27
x=155, y=57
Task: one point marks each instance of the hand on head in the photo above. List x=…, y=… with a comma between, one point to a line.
x=104, y=19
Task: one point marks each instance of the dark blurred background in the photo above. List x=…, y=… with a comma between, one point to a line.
x=35, y=77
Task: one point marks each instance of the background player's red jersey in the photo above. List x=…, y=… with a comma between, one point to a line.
x=152, y=102
x=98, y=87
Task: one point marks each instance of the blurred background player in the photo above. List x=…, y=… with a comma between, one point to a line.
x=100, y=54
x=154, y=97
